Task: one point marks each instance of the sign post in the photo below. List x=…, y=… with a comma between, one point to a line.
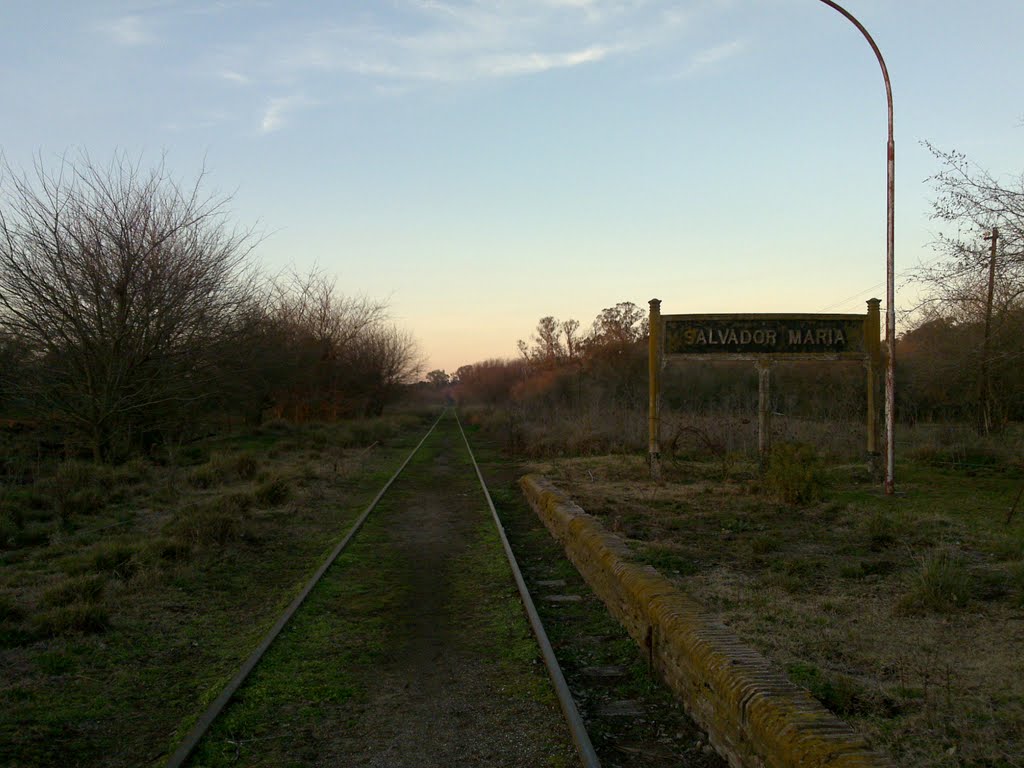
x=764, y=339
x=654, y=364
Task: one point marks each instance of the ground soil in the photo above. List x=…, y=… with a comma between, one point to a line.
x=438, y=700
x=903, y=615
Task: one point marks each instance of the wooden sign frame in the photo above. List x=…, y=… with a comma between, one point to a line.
x=764, y=339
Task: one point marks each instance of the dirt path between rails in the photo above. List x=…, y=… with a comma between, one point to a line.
x=446, y=695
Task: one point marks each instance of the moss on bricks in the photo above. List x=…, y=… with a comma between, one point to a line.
x=755, y=717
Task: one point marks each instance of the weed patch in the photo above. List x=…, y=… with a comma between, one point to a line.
x=272, y=492
x=116, y=558
x=941, y=583
x=839, y=693
x=215, y=522
x=79, y=589
x=913, y=650
x=795, y=474
x=76, y=618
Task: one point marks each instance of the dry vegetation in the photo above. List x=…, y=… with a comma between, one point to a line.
x=129, y=594
x=904, y=615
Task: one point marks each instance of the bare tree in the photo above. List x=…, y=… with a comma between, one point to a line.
x=974, y=282
x=378, y=364
x=617, y=327
x=547, y=350
x=311, y=327
x=571, y=329
x=119, y=283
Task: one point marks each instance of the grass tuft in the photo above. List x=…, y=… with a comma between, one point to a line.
x=941, y=583
x=881, y=529
x=216, y=521
x=117, y=558
x=77, y=589
x=795, y=474
x=77, y=618
x=225, y=468
x=839, y=693
x=273, y=491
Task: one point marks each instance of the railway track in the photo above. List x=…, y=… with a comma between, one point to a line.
x=430, y=535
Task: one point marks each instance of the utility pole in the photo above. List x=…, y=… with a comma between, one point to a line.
x=985, y=416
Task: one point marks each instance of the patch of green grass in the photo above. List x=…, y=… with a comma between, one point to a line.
x=312, y=671
x=77, y=589
x=668, y=560
x=840, y=693
x=55, y=663
x=171, y=640
x=116, y=557
x=76, y=618
x=881, y=529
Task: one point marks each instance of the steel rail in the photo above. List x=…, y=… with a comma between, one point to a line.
x=194, y=736
x=588, y=757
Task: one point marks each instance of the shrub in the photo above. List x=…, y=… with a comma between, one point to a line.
x=222, y=468
x=77, y=488
x=79, y=589
x=216, y=521
x=795, y=474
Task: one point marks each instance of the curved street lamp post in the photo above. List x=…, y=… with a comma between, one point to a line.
x=890, y=292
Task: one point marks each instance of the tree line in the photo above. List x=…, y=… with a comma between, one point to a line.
x=133, y=312
x=960, y=357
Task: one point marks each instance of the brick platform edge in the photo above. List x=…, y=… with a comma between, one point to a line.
x=753, y=715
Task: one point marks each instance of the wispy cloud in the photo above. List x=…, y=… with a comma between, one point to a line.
x=464, y=40
x=234, y=77
x=394, y=47
x=530, y=63
x=708, y=58
x=129, y=31
x=278, y=110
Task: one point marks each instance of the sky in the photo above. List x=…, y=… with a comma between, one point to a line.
x=480, y=165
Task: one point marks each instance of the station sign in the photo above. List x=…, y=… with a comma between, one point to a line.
x=751, y=336
x=764, y=339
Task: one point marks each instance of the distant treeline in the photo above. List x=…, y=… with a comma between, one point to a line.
x=937, y=374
